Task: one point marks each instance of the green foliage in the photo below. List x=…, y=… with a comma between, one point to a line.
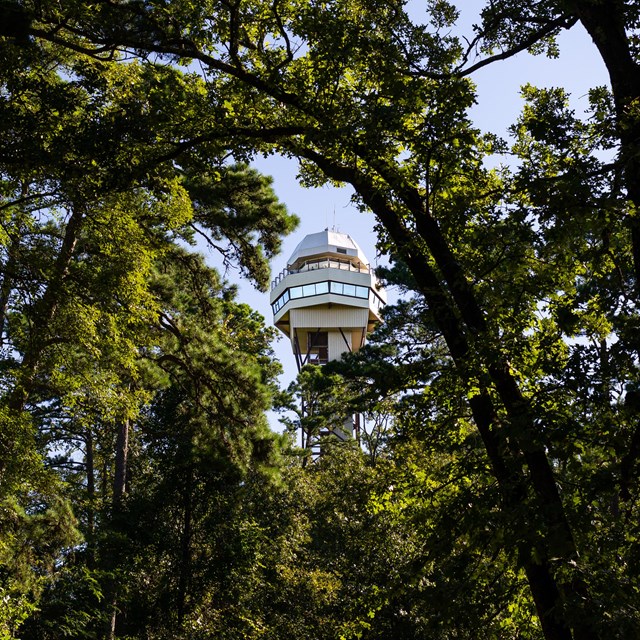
x=36, y=524
x=102, y=311
x=314, y=398
x=506, y=499
x=237, y=203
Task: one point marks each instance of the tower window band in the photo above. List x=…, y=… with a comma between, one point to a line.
x=320, y=288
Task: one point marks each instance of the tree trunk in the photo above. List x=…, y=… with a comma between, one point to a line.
x=606, y=24
x=120, y=469
x=461, y=321
x=119, y=492
x=91, y=499
x=46, y=309
x=185, y=546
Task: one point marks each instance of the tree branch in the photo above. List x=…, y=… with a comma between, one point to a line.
x=563, y=22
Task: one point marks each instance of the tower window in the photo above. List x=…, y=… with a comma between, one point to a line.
x=318, y=347
x=341, y=250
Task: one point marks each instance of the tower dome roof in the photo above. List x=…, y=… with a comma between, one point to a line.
x=327, y=242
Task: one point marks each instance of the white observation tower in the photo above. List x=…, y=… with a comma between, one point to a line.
x=327, y=299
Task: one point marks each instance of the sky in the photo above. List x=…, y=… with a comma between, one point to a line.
x=577, y=69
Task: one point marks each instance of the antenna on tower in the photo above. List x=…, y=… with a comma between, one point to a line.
x=334, y=217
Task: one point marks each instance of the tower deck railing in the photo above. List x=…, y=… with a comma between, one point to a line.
x=324, y=263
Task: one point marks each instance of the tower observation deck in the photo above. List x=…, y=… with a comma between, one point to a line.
x=327, y=299
x=325, y=302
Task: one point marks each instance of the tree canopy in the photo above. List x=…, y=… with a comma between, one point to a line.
x=516, y=380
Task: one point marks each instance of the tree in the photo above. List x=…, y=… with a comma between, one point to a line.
x=188, y=442
x=314, y=399
x=364, y=96
x=92, y=204
x=612, y=27
x=440, y=483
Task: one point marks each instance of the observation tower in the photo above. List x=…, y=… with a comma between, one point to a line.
x=326, y=300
